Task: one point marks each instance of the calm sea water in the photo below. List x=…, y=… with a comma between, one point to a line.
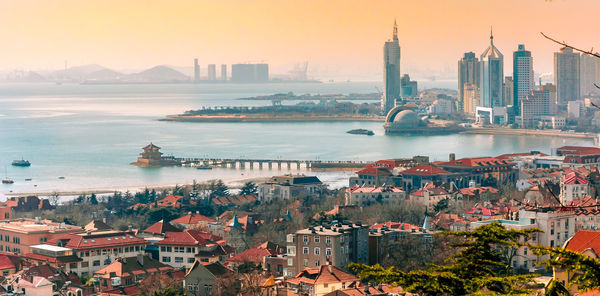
x=90, y=133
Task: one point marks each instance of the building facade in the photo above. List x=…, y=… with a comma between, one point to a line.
x=566, y=75
x=468, y=74
x=522, y=75
x=590, y=75
x=491, y=67
x=212, y=72
x=391, y=72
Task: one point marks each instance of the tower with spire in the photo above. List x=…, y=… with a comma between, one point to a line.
x=491, y=68
x=391, y=72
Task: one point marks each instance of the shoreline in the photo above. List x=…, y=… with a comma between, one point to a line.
x=533, y=132
x=266, y=118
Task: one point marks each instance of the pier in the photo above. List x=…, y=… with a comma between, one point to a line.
x=152, y=157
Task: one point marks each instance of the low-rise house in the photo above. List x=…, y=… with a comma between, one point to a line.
x=128, y=271
x=55, y=256
x=429, y=196
x=60, y=281
x=573, y=186
x=160, y=228
x=284, y=187
x=234, y=200
x=320, y=280
x=194, y=221
x=179, y=249
x=34, y=286
x=254, y=255
x=366, y=195
x=586, y=242
x=210, y=279
x=360, y=289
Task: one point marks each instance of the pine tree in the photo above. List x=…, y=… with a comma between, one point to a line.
x=249, y=189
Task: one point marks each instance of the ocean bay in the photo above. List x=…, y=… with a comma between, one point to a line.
x=90, y=133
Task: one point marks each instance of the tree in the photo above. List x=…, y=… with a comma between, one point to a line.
x=53, y=198
x=478, y=267
x=249, y=188
x=93, y=199
x=218, y=189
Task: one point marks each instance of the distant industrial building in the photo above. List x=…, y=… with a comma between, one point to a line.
x=391, y=72
x=566, y=75
x=212, y=72
x=250, y=73
x=196, y=71
x=523, y=81
x=224, y=72
x=491, y=67
x=468, y=74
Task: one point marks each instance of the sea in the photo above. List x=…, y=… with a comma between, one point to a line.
x=83, y=137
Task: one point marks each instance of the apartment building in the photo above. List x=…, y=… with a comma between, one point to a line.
x=179, y=249
x=17, y=235
x=337, y=244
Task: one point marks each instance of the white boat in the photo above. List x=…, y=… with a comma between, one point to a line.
x=7, y=180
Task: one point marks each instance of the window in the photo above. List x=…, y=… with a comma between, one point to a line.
x=305, y=239
x=163, y=249
x=552, y=243
x=328, y=240
x=305, y=262
x=178, y=259
x=525, y=251
x=8, y=248
x=317, y=239
x=328, y=252
x=191, y=260
x=317, y=263
x=85, y=264
x=96, y=263
x=190, y=250
x=291, y=250
x=169, y=249
x=16, y=240
x=305, y=250
x=290, y=262
x=43, y=240
x=73, y=265
x=166, y=259
x=317, y=251
x=7, y=238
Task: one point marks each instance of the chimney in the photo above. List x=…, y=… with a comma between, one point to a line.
x=452, y=157
x=140, y=259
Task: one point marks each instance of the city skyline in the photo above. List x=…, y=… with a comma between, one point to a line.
x=336, y=42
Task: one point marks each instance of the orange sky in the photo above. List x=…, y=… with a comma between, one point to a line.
x=338, y=38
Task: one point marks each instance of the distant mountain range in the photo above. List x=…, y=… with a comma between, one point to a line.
x=98, y=74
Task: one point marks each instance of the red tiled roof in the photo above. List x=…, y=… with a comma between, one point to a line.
x=583, y=240
x=394, y=225
x=188, y=237
x=478, y=190
x=193, y=219
x=432, y=191
x=95, y=240
x=574, y=178
x=235, y=199
x=507, y=156
x=252, y=255
x=160, y=227
x=477, y=162
x=323, y=274
x=6, y=263
x=374, y=171
x=425, y=170
x=360, y=189
x=170, y=201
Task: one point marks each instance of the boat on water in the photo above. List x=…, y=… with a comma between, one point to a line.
x=361, y=131
x=7, y=180
x=28, y=179
x=61, y=178
x=204, y=167
x=21, y=163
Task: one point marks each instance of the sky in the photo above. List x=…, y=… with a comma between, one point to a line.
x=341, y=39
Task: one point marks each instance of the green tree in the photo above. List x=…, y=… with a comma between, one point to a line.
x=93, y=199
x=218, y=189
x=249, y=189
x=478, y=268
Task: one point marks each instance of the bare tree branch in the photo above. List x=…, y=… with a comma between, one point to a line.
x=590, y=52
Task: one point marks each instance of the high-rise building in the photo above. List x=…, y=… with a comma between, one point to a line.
x=536, y=104
x=491, y=67
x=566, y=75
x=509, y=86
x=471, y=98
x=523, y=80
x=250, y=73
x=196, y=71
x=212, y=72
x=468, y=73
x=224, y=72
x=409, y=87
x=391, y=72
x=590, y=75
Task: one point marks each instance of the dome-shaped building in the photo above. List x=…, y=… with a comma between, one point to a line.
x=407, y=117
x=404, y=121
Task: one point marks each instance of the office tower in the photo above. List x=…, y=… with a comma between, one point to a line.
x=224, y=72
x=409, y=87
x=566, y=75
x=491, y=67
x=471, y=98
x=509, y=86
x=196, y=71
x=391, y=72
x=523, y=80
x=590, y=75
x=212, y=72
x=536, y=104
x=249, y=73
x=468, y=73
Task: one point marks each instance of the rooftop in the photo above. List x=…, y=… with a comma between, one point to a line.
x=24, y=225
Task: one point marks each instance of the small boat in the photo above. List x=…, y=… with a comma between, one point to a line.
x=361, y=131
x=61, y=178
x=28, y=179
x=204, y=167
x=21, y=163
x=7, y=180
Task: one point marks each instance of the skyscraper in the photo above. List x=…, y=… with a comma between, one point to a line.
x=223, y=72
x=391, y=72
x=566, y=75
x=212, y=72
x=468, y=73
x=590, y=75
x=196, y=71
x=509, y=86
x=491, y=67
x=523, y=81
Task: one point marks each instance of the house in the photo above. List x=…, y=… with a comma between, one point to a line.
x=481, y=170
x=17, y=235
x=160, y=228
x=255, y=255
x=320, y=280
x=420, y=176
x=55, y=256
x=128, y=271
x=586, y=242
x=360, y=289
x=210, y=279
x=194, y=221
x=35, y=286
x=286, y=186
x=179, y=249
x=10, y=264
x=366, y=195
x=234, y=200
x=429, y=196
x=573, y=186
x=59, y=280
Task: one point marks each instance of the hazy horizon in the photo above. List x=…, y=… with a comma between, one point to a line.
x=339, y=39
